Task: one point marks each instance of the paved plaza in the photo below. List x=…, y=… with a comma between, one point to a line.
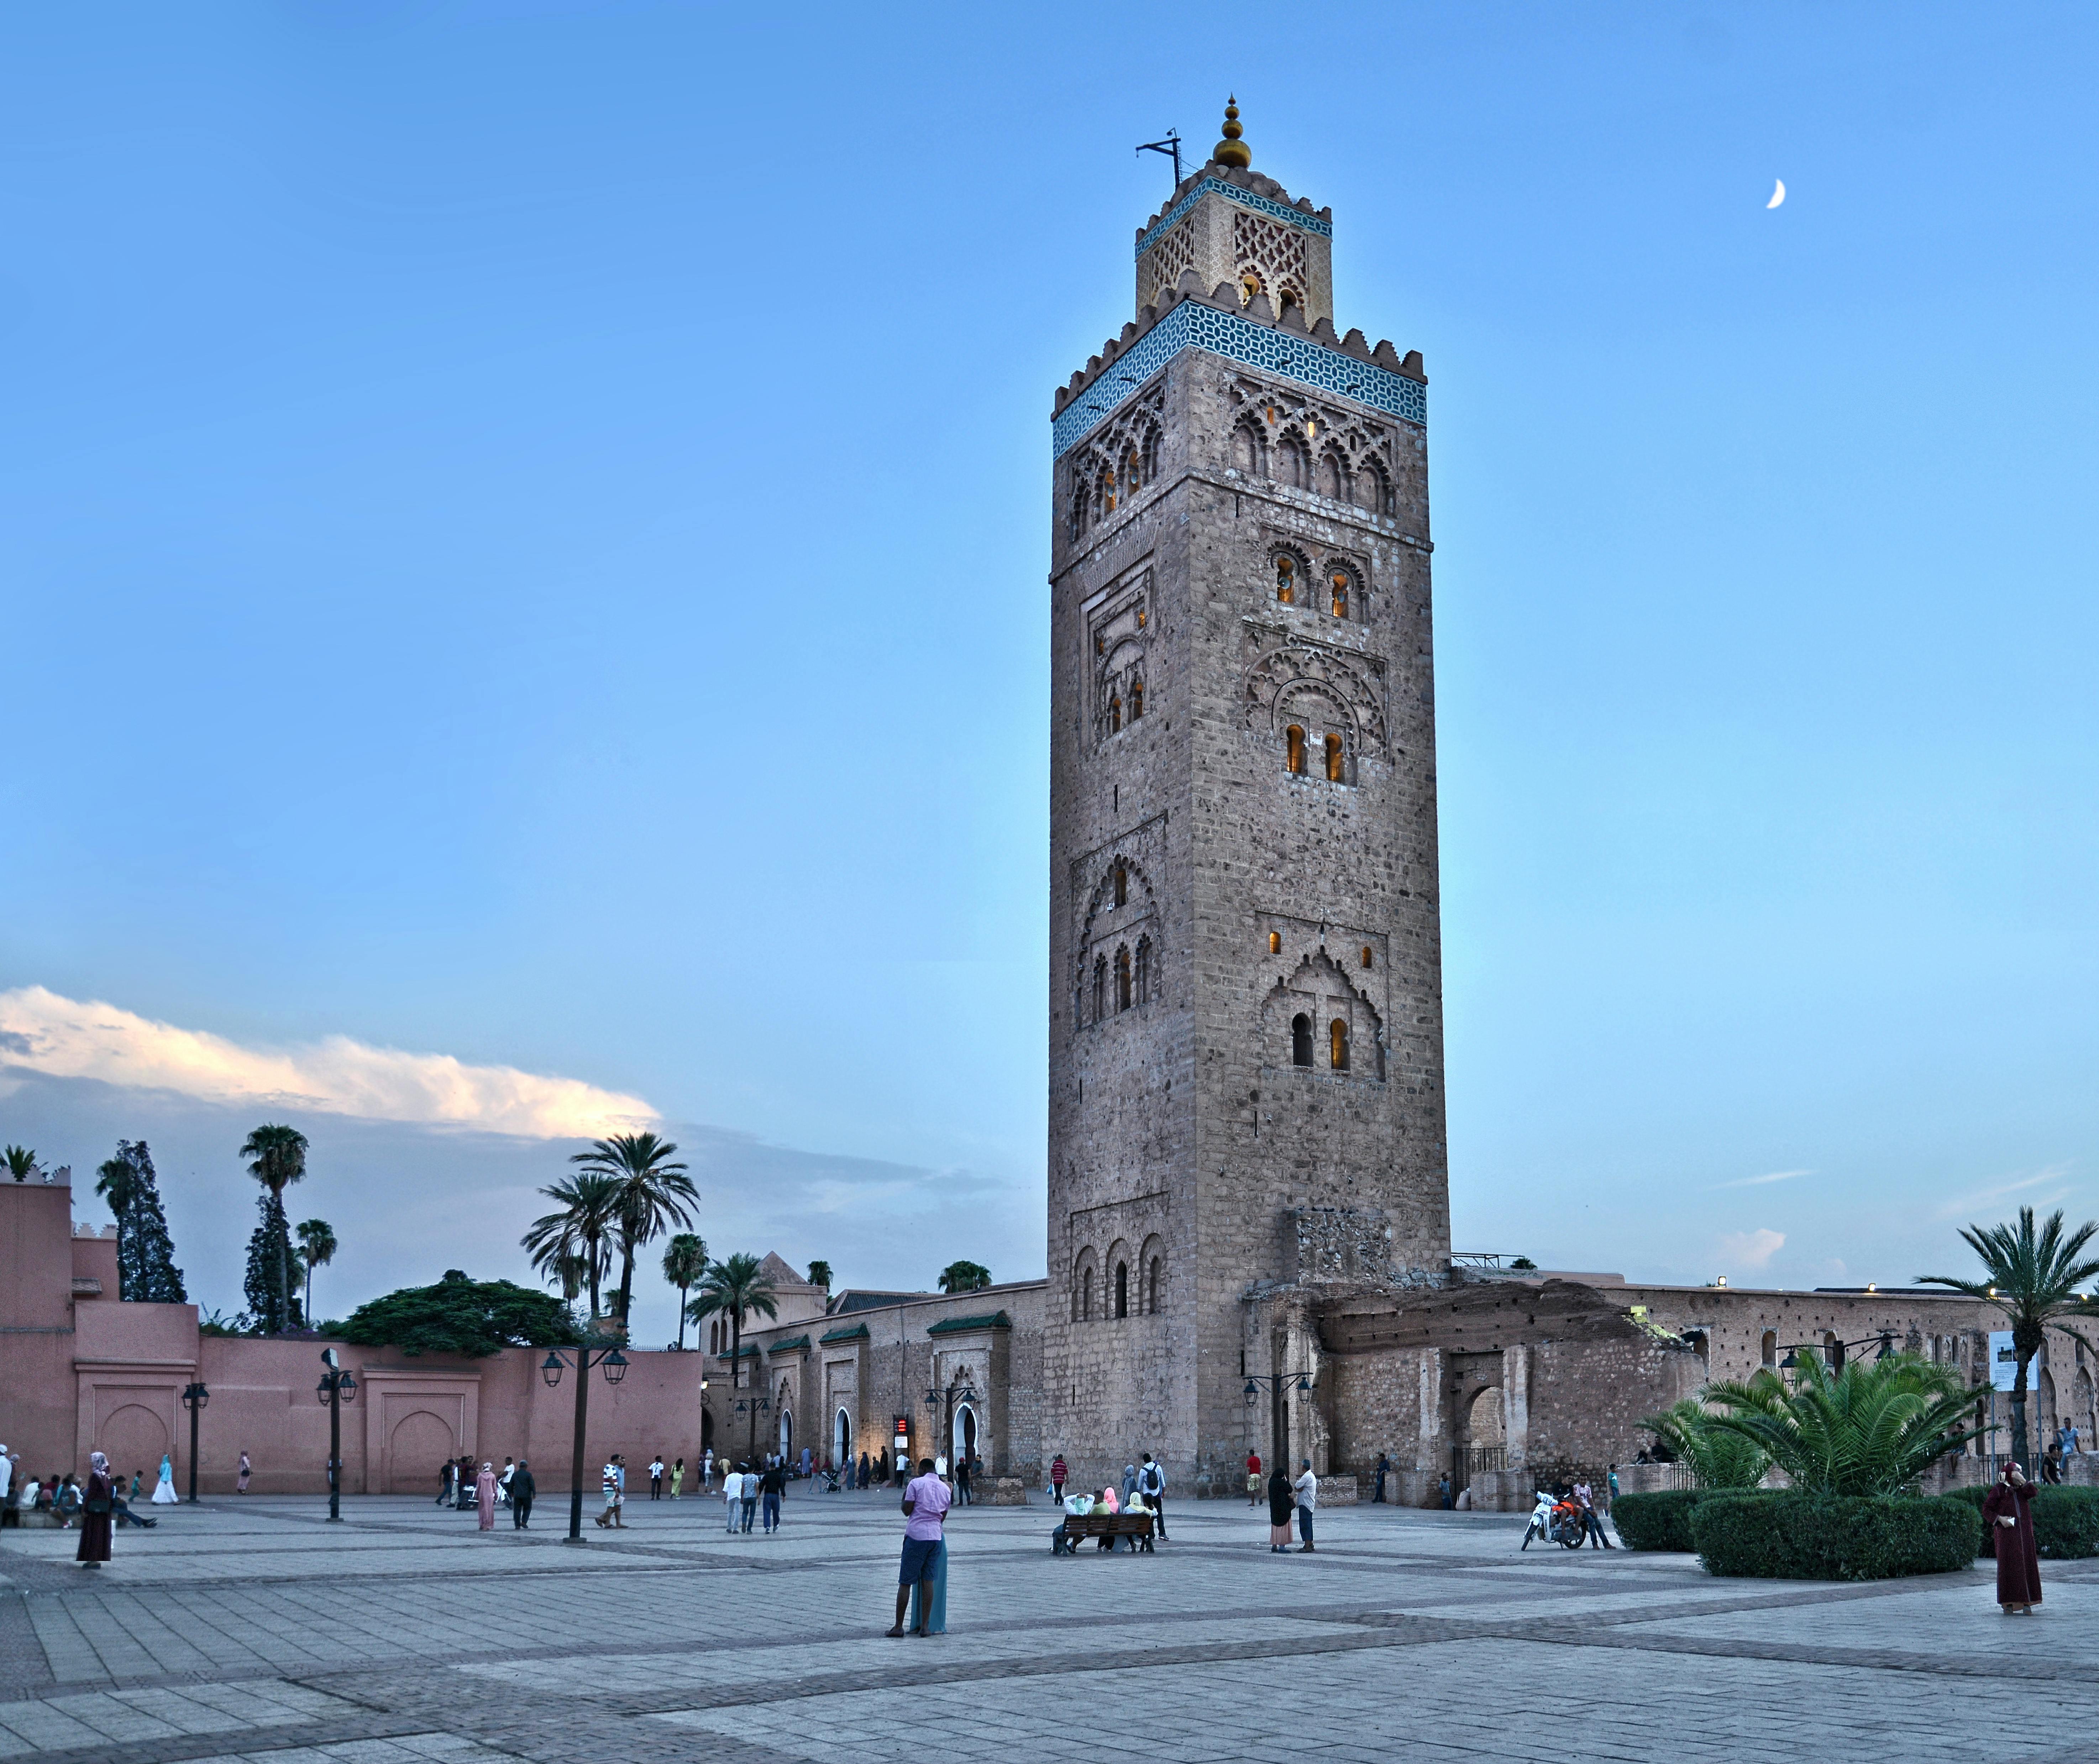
x=251, y=1630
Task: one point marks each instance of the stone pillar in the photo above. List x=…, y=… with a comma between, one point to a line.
x=1433, y=1455
x=1515, y=1403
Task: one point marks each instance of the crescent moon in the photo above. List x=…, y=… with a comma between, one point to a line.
x=1778, y=195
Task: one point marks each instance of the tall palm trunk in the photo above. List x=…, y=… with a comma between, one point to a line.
x=736, y=1371
x=681, y=1318
x=2019, y=1422
x=626, y=1297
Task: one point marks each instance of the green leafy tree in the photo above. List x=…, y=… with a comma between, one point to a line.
x=2032, y=1277
x=269, y=1275
x=146, y=1255
x=21, y=1163
x=317, y=1249
x=819, y=1275
x=472, y=1317
x=733, y=1289
x=116, y=1182
x=1717, y=1458
x=964, y=1277
x=684, y=1261
x=276, y=1157
x=1871, y=1428
x=573, y=1244
x=655, y=1193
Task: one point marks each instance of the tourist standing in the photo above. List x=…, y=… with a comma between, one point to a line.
x=240, y=1479
x=95, y=1522
x=1308, y=1499
x=1280, y=1505
x=484, y=1496
x=656, y=1477
x=2008, y=1511
x=164, y=1490
x=771, y=1486
x=677, y=1479
x=608, y=1486
x=1443, y=1490
x=1151, y=1484
x=10, y=1513
x=1058, y=1473
x=1253, y=1478
x=732, y=1496
x=522, y=1488
x=1592, y=1529
x=707, y=1469
x=502, y=1482
x=1383, y=1469
x=925, y=1503
x=962, y=1477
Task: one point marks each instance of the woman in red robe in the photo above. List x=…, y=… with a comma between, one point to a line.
x=2008, y=1509
x=95, y=1511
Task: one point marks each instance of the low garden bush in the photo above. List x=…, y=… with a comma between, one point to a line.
x=2066, y=1521
x=1658, y=1521
x=1788, y=1535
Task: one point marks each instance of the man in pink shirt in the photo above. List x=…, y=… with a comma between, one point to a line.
x=926, y=1499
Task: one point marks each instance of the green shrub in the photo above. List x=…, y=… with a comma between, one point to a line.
x=1658, y=1521
x=2067, y=1522
x=1974, y=1498
x=1786, y=1535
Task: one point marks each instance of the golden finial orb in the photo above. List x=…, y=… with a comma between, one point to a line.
x=1232, y=150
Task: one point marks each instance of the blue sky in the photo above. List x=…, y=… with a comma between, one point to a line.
x=526, y=531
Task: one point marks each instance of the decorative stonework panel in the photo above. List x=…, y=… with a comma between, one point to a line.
x=1281, y=211
x=1274, y=255
x=1287, y=670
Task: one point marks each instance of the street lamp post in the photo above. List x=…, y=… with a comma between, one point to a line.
x=945, y=1401
x=336, y=1389
x=1791, y=1362
x=194, y=1397
x=1278, y=1426
x=614, y=1364
x=753, y=1406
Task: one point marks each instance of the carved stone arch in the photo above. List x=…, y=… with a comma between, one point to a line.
x=1292, y=466
x=1373, y=486
x=1296, y=673
x=1343, y=587
x=1320, y=992
x=1249, y=447
x=1332, y=480
x=1119, y=1285
x=1290, y=576
x=1151, y=1267
x=1102, y=913
x=1086, y=1286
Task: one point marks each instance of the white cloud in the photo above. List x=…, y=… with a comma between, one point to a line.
x=1751, y=1249
x=1758, y=1182
x=62, y=1038
x=1984, y=1198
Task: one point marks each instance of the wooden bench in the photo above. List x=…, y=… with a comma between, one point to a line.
x=1135, y=1526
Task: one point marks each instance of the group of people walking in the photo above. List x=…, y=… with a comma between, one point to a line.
x=462, y=1487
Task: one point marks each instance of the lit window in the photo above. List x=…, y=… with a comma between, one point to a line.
x=1334, y=759
x=1340, y=582
x=1369, y=959
x=1294, y=750
x=1122, y=979
x=1136, y=699
x=1275, y=943
x=1115, y=714
x=1337, y=1045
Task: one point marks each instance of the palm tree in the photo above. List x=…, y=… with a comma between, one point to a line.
x=21, y=1162
x=1716, y=1457
x=1871, y=1428
x=277, y=1158
x=117, y=1183
x=684, y=1260
x=732, y=1287
x=317, y=1249
x=964, y=1277
x=819, y=1275
x=2032, y=1277
x=655, y=1195
x=572, y=1244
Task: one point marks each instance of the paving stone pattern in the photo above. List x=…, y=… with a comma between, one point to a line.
x=253, y=1630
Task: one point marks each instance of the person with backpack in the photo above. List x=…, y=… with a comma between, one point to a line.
x=1151, y=1484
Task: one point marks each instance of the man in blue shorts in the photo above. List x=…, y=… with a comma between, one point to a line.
x=926, y=1499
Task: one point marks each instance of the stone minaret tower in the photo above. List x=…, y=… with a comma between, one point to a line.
x=1246, y=1035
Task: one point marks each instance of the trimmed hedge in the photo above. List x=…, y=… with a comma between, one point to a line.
x=1785, y=1535
x=1658, y=1521
x=2066, y=1521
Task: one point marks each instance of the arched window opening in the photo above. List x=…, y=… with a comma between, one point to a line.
x=1132, y=471
x=1115, y=714
x=1249, y=286
x=1370, y=957
x=1086, y=1296
x=1246, y=450
x=1275, y=943
x=1122, y=979
x=1286, y=300
x=1151, y=467
x=1334, y=759
x=1293, y=756
x=1136, y=699
x=1144, y=971
x=1122, y=885
x=1301, y=1040
x=1286, y=580
x=1340, y=583
x=1122, y=1289
x=1151, y=1287
x=1331, y=481
x=1100, y=988
x=1078, y=501
x=1294, y=467
x=1337, y=1045
x=1770, y=1348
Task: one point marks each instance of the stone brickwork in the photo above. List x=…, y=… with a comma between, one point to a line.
x=1246, y=1034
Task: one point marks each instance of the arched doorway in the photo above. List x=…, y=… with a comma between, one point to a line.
x=841, y=1440
x=786, y=1433
x=416, y=1451
x=707, y=1430
x=134, y=1439
x=966, y=1432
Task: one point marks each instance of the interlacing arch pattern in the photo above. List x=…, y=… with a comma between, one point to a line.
x=1117, y=466
x=1118, y=963
x=1272, y=261
x=1324, y=707
x=1166, y=260
x=1304, y=445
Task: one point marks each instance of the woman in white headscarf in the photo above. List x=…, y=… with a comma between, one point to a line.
x=164, y=1490
x=95, y=1511
x=484, y=1496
